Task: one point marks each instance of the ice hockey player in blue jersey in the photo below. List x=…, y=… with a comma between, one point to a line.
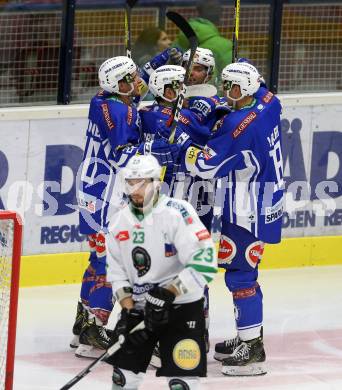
x=202, y=96
x=245, y=152
x=165, y=84
x=113, y=129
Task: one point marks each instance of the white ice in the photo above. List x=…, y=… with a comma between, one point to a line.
x=302, y=334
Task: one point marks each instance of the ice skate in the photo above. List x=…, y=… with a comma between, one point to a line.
x=81, y=316
x=248, y=359
x=226, y=348
x=94, y=340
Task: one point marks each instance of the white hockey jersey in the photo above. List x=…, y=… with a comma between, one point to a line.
x=169, y=241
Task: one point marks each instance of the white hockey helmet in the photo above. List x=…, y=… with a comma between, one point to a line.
x=172, y=75
x=115, y=69
x=203, y=57
x=244, y=75
x=142, y=167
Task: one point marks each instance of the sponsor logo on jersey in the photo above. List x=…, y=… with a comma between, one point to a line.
x=227, y=250
x=275, y=212
x=184, y=212
x=106, y=116
x=129, y=115
x=244, y=124
x=182, y=118
x=202, y=106
x=203, y=235
x=191, y=154
x=268, y=97
x=170, y=250
x=186, y=354
x=123, y=235
x=141, y=260
x=139, y=289
x=254, y=252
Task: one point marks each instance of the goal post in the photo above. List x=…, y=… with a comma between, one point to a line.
x=10, y=253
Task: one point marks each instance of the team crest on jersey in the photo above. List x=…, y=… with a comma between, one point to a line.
x=244, y=124
x=227, y=250
x=254, y=252
x=123, y=235
x=141, y=260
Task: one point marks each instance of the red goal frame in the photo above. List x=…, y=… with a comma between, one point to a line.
x=12, y=320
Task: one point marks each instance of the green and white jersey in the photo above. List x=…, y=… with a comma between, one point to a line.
x=169, y=242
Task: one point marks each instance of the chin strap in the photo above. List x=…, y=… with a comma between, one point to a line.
x=129, y=93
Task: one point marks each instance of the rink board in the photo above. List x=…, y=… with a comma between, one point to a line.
x=66, y=268
x=40, y=161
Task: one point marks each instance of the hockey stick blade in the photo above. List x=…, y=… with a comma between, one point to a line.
x=182, y=24
x=110, y=351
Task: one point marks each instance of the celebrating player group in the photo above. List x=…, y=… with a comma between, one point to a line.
x=150, y=181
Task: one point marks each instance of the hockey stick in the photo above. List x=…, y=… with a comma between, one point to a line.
x=110, y=351
x=187, y=30
x=128, y=15
x=236, y=31
x=203, y=90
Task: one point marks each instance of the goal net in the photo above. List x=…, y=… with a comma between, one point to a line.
x=10, y=252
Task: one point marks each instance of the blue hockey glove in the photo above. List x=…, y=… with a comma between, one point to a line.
x=181, y=137
x=165, y=153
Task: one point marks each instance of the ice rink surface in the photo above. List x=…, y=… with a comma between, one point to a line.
x=302, y=335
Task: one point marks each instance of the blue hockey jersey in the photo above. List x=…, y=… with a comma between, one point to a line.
x=113, y=131
x=209, y=109
x=189, y=123
x=245, y=152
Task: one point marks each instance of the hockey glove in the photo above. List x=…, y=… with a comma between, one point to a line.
x=127, y=321
x=176, y=56
x=181, y=137
x=165, y=153
x=157, y=310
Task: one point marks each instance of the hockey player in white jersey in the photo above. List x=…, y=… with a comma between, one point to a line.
x=159, y=258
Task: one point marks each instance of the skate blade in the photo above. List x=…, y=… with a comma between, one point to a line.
x=155, y=361
x=88, y=351
x=75, y=342
x=252, y=369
